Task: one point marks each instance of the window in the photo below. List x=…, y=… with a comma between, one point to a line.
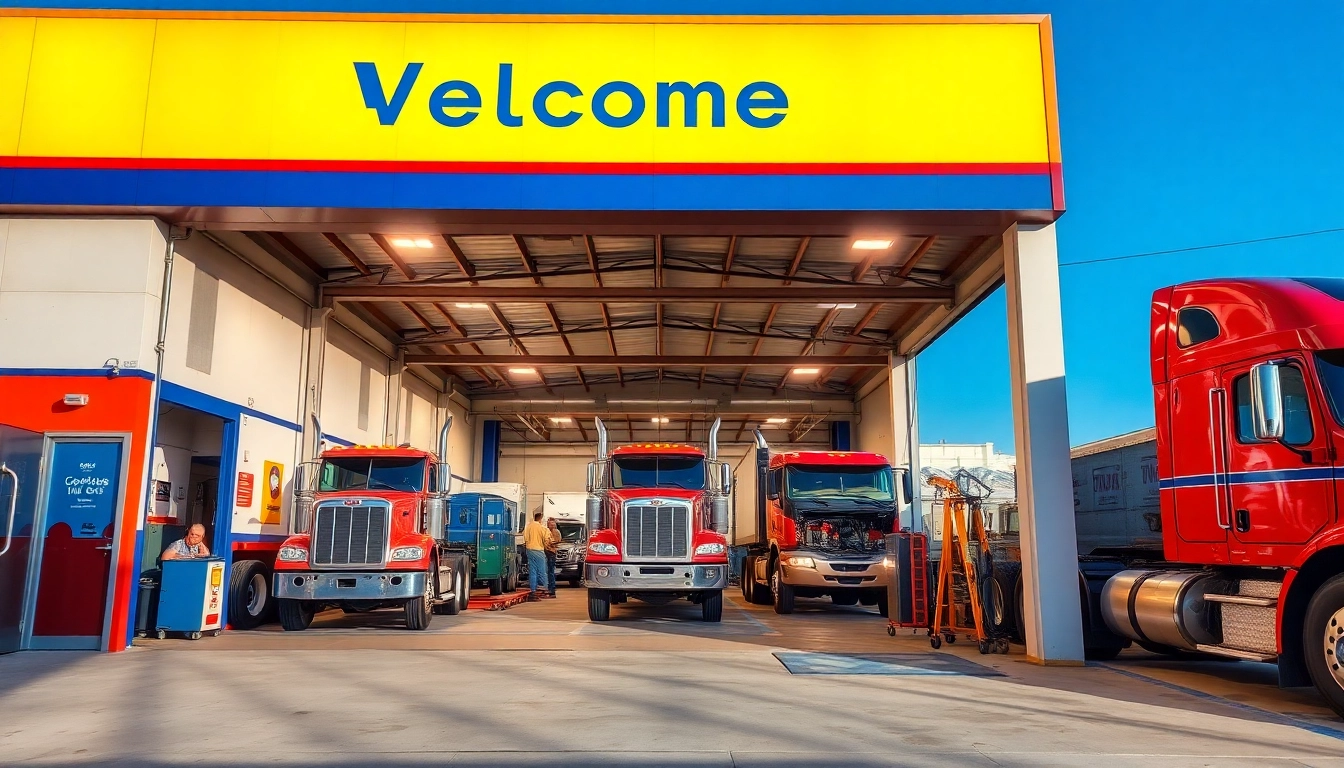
x=1195, y=325
x=836, y=482
x=1331, y=366
x=686, y=472
x=1297, y=428
x=373, y=474
x=1330, y=286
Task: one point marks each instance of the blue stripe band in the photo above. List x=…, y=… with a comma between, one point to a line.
x=568, y=192
x=199, y=401
x=1248, y=478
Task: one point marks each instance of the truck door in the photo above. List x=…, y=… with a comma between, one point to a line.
x=1281, y=491
x=495, y=525
x=1199, y=438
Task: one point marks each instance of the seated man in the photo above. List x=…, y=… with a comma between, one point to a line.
x=189, y=546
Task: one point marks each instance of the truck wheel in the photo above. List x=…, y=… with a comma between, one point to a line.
x=747, y=577
x=464, y=591
x=575, y=583
x=882, y=609
x=295, y=615
x=711, y=608
x=599, y=605
x=451, y=607
x=1019, y=631
x=756, y=593
x=511, y=580
x=845, y=598
x=783, y=593
x=496, y=586
x=249, y=594
x=1323, y=641
x=420, y=610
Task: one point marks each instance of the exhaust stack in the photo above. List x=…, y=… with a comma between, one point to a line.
x=762, y=468
x=601, y=439
x=712, y=451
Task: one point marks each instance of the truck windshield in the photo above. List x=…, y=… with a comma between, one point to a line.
x=848, y=483
x=361, y=473
x=1331, y=365
x=687, y=472
x=570, y=532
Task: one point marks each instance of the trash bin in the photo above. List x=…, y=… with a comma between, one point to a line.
x=147, y=608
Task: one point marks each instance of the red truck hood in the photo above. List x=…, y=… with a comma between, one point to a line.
x=626, y=494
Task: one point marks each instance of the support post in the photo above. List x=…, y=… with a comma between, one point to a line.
x=490, y=444
x=905, y=433
x=393, y=424
x=318, y=319
x=1054, y=630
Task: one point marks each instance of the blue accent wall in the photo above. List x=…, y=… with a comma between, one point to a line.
x=493, y=430
x=840, y=436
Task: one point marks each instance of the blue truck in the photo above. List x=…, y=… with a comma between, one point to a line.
x=481, y=526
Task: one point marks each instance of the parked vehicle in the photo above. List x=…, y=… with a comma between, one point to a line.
x=822, y=519
x=480, y=526
x=516, y=493
x=568, y=511
x=372, y=537
x=657, y=518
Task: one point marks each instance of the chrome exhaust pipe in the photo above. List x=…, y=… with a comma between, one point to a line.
x=760, y=441
x=601, y=440
x=317, y=437
x=443, y=440
x=712, y=452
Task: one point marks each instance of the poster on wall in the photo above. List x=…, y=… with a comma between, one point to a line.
x=1106, y=490
x=1151, y=492
x=246, y=480
x=86, y=497
x=273, y=482
x=163, y=496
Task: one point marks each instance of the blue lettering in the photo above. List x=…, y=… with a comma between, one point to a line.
x=629, y=118
x=504, y=109
x=371, y=86
x=690, y=96
x=544, y=114
x=748, y=102
x=440, y=102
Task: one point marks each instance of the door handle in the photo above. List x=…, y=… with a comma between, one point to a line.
x=13, y=506
x=104, y=549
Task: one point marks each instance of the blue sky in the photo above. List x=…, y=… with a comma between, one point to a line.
x=1183, y=124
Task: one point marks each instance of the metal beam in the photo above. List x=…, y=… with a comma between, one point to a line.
x=348, y=253
x=395, y=257
x=721, y=361
x=636, y=294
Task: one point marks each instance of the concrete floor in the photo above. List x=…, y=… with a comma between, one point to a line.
x=539, y=685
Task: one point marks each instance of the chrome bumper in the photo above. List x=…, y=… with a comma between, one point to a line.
x=308, y=585
x=653, y=577
x=826, y=574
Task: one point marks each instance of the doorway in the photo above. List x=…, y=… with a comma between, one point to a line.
x=188, y=445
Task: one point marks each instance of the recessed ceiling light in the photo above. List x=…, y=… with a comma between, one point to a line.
x=873, y=244
x=660, y=420
x=407, y=242
x=806, y=371
x=776, y=420
x=561, y=420
x=524, y=371
x=472, y=305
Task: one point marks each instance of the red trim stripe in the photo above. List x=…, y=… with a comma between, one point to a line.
x=532, y=168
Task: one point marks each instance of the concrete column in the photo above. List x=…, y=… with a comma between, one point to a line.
x=393, y=426
x=1054, y=630
x=318, y=319
x=905, y=431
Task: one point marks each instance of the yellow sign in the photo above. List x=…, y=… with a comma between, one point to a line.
x=834, y=92
x=272, y=487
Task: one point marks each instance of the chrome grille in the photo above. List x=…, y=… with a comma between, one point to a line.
x=657, y=531
x=350, y=535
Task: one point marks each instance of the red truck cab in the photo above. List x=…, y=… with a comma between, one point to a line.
x=657, y=518
x=1248, y=388
x=372, y=536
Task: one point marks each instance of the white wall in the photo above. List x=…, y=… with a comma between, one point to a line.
x=875, y=430
x=76, y=292
x=345, y=356
x=260, y=441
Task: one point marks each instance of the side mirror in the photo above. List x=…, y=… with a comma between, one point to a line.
x=592, y=476
x=725, y=478
x=907, y=486
x=1266, y=402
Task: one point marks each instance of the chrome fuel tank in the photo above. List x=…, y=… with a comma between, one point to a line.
x=1164, y=607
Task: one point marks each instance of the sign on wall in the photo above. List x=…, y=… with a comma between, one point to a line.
x=246, y=484
x=1148, y=468
x=273, y=484
x=85, y=478
x=1107, y=491
x=607, y=112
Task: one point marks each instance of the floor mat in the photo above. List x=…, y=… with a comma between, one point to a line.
x=937, y=664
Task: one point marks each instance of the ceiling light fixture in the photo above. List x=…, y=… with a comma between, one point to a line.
x=776, y=420
x=873, y=244
x=836, y=306
x=660, y=420
x=806, y=371
x=561, y=420
x=472, y=305
x=408, y=242
x=523, y=371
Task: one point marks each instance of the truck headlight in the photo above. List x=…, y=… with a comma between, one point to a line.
x=800, y=562
x=603, y=549
x=292, y=555
x=408, y=553
x=711, y=549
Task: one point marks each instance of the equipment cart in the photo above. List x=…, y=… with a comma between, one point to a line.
x=191, y=597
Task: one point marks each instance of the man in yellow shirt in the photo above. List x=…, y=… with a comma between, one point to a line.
x=535, y=539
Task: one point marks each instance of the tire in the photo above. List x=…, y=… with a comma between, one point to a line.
x=1019, y=632
x=249, y=594
x=496, y=586
x=420, y=610
x=756, y=593
x=511, y=582
x=1004, y=592
x=451, y=607
x=1323, y=641
x=782, y=593
x=575, y=583
x=882, y=609
x=847, y=598
x=599, y=605
x=1104, y=653
x=747, y=576
x=867, y=599
x=464, y=593
x=295, y=615
x=711, y=608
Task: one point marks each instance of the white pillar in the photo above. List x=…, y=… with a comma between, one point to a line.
x=905, y=431
x=312, y=391
x=1054, y=630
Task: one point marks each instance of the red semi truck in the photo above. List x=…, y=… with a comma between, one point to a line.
x=822, y=518
x=657, y=517
x=372, y=522
x=1248, y=386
